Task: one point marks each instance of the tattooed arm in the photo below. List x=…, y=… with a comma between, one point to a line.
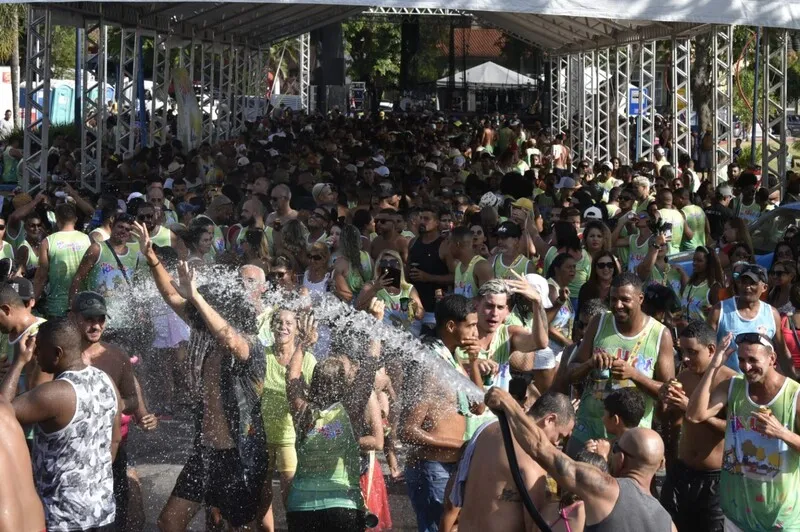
x=598, y=490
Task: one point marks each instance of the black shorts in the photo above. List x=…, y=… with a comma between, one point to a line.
x=692, y=499
x=218, y=479
x=330, y=520
x=119, y=468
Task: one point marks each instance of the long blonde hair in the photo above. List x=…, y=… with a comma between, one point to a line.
x=395, y=255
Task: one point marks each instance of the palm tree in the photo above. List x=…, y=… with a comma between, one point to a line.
x=10, y=15
x=289, y=50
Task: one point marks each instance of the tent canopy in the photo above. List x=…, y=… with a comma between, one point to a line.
x=489, y=75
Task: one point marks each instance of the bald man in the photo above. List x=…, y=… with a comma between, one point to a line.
x=20, y=507
x=282, y=212
x=621, y=503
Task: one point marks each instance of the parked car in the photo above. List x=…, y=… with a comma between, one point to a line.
x=765, y=232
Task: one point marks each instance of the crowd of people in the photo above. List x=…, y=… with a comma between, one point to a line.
x=639, y=394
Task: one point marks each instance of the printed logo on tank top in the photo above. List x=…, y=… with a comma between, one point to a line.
x=754, y=455
x=69, y=246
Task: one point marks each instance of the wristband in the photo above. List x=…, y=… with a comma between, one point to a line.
x=154, y=265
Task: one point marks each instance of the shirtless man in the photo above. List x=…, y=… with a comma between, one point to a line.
x=487, y=138
x=282, y=212
x=434, y=427
x=388, y=236
x=691, y=490
x=20, y=507
x=488, y=495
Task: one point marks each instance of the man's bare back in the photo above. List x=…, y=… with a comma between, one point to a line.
x=116, y=364
x=20, y=507
x=491, y=499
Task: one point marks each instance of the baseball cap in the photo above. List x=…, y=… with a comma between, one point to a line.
x=509, y=229
x=541, y=286
x=243, y=161
x=318, y=189
x=593, y=213
x=660, y=150
x=725, y=190
x=22, y=286
x=566, y=182
x=386, y=190
x=754, y=272
x=523, y=203
x=89, y=304
x=382, y=171
x=609, y=165
x=220, y=201
x=490, y=199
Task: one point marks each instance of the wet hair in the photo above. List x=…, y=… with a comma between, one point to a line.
x=328, y=382
x=62, y=332
x=350, y=249
x=700, y=330
x=10, y=297
x=233, y=307
x=453, y=307
x=361, y=219
x=566, y=235
x=628, y=404
x=493, y=287
x=191, y=235
x=66, y=213
x=593, y=307
x=553, y=403
x=257, y=240
x=594, y=459
x=627, y=279
x=295, y=237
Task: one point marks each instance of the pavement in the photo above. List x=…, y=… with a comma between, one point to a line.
x=158, y=458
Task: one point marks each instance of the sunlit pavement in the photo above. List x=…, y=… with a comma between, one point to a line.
x=158, y=458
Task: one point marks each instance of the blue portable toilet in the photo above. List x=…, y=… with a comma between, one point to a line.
x=62, y=104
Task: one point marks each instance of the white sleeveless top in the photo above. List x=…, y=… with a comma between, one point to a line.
x=72, y=466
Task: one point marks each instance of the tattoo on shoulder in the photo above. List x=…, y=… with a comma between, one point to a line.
x=509, y=495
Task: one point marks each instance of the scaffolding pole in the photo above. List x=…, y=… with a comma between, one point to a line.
x=305, y=69
x=602, y=69
x=722, y=99
x=160, y=94
x=36, y=142
x=622, y=80
x=681, y=100
x=224, y=90
x=208, y=107
x=553, y=64
x=263, y=82
x=93, y=41
x=127, y=84
x=774, y=149
x=588, y=118
x=575, y=82
x=240, y=81
x=646, y=119
x=562, y=114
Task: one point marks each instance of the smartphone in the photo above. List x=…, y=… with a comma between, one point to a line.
x=668, y=231
x=393, y=275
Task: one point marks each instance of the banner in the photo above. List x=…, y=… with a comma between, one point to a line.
x=190, y=120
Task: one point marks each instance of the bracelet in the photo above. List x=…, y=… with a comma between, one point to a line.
x=154, y=265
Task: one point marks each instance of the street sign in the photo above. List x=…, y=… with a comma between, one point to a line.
x=638, y=103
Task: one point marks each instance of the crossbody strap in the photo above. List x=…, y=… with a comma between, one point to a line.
x=119, y=263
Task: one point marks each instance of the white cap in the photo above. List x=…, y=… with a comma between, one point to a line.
x=432, y=166
x=541, y=286
x=134, y=195
x=243, y=161
x=351, y=168
x=609, y=165
x=382, y=171
x=489, y=199
x=379, y=159
x=660, y=150
x=459, y=161
x=592, y=213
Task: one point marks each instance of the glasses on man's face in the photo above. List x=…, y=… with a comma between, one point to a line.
x=318, y=216
x=315, y=257
x=145, y=217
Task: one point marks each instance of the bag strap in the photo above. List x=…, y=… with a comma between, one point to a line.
x=790, y=319
x=119, y=264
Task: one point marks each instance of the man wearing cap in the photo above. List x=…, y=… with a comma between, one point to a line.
x=521, y=209
x=660, y=159
x=745, y=312
x=16, y=320
x=109, y=267
x=719, y=212
x=605, y=179
x=509, y=257
x=388, y=198
x=60, y=255
x=761, y=455
x=89, y=314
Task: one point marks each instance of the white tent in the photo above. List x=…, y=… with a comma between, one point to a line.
x=489, y=75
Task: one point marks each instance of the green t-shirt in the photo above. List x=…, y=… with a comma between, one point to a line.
x=696, y=219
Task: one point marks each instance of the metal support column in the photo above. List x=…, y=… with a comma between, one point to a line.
x=722, y=99
x=622, y=80
x=575, y=112
x=208, y=63
x=240, y=82
x=160, y=92
x=93, y=116
x=681, y=99
x=553, y=63
x=773, y=119
x=562, y=97
x=224, y=90
x=305, y=69
x=647, y=112
x=588, y=121
x=37, y=99
x=126, y=91
x=264, y=82
x=602, y=69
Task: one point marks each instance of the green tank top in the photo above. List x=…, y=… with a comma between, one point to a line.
x=464, y=281
x=636, y=252
x=696, y=219
x=328, y=464
x=749, y=213
x=398, y=308
x=695, y=301
x=33, y=258
x=106, y=277
x=10, y=165
x=760, y=475
x=65, y=251
x=7, y=251
x=640, y=351
x=582, y=269
x=275, y=414
x=674, y=217
x=501, y=271
x=669, y=276
x=354, y=280
x=17, y=240
x=162, y=238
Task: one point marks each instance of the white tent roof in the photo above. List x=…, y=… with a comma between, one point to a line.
x=489, y=74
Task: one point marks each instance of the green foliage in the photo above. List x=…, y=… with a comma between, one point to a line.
x=747, y=150
x=374, y=51
x=62, y=58
x=428, y=57
x=8, y=31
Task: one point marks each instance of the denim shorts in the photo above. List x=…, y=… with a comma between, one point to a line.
x=426, y=482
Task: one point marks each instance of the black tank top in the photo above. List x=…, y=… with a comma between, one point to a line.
x=426, y=258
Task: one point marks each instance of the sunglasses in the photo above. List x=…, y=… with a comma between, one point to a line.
x=3, y=226
x=277, y=198
x=605, y=265
x=315, y=257
x=625, y=198
x=617, y=448
x=754, y=338
x=319, y=216
x=779, y=272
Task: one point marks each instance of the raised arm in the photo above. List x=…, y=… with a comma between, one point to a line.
x=161, y=277
x=645, y=268
x=537, y=338
x=708, y=400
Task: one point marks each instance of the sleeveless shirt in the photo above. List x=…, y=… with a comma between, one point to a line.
x=634, y=511
x=426, y=258
x=731, y=321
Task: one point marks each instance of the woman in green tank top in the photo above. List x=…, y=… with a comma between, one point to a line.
x=655, y=269
x=567, y=241
x=27, y=255
x=702, y=291
x=353, y=267
x=329, y=421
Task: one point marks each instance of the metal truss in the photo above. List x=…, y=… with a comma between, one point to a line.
x=647, y=86
x=555, y=73
x=127, y=88
x=263, y=82
x=37, y=98
x=602, y=69
x=562, y=94
x=239, y=90
x=622, y=80
x=224, y=91
x=93, y=52
x=588, y=116
x=575, y=98
x=305, y=69
x=160, y=93
x=414, y=11
x=681, y=100
x=722, y=98
x=208, y=64
x=773, y=126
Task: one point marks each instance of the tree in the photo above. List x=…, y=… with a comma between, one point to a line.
x=10, y=15
x=374, y=51
x=62, y=58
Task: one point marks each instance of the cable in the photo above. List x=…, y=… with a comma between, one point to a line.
x=514, y=466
